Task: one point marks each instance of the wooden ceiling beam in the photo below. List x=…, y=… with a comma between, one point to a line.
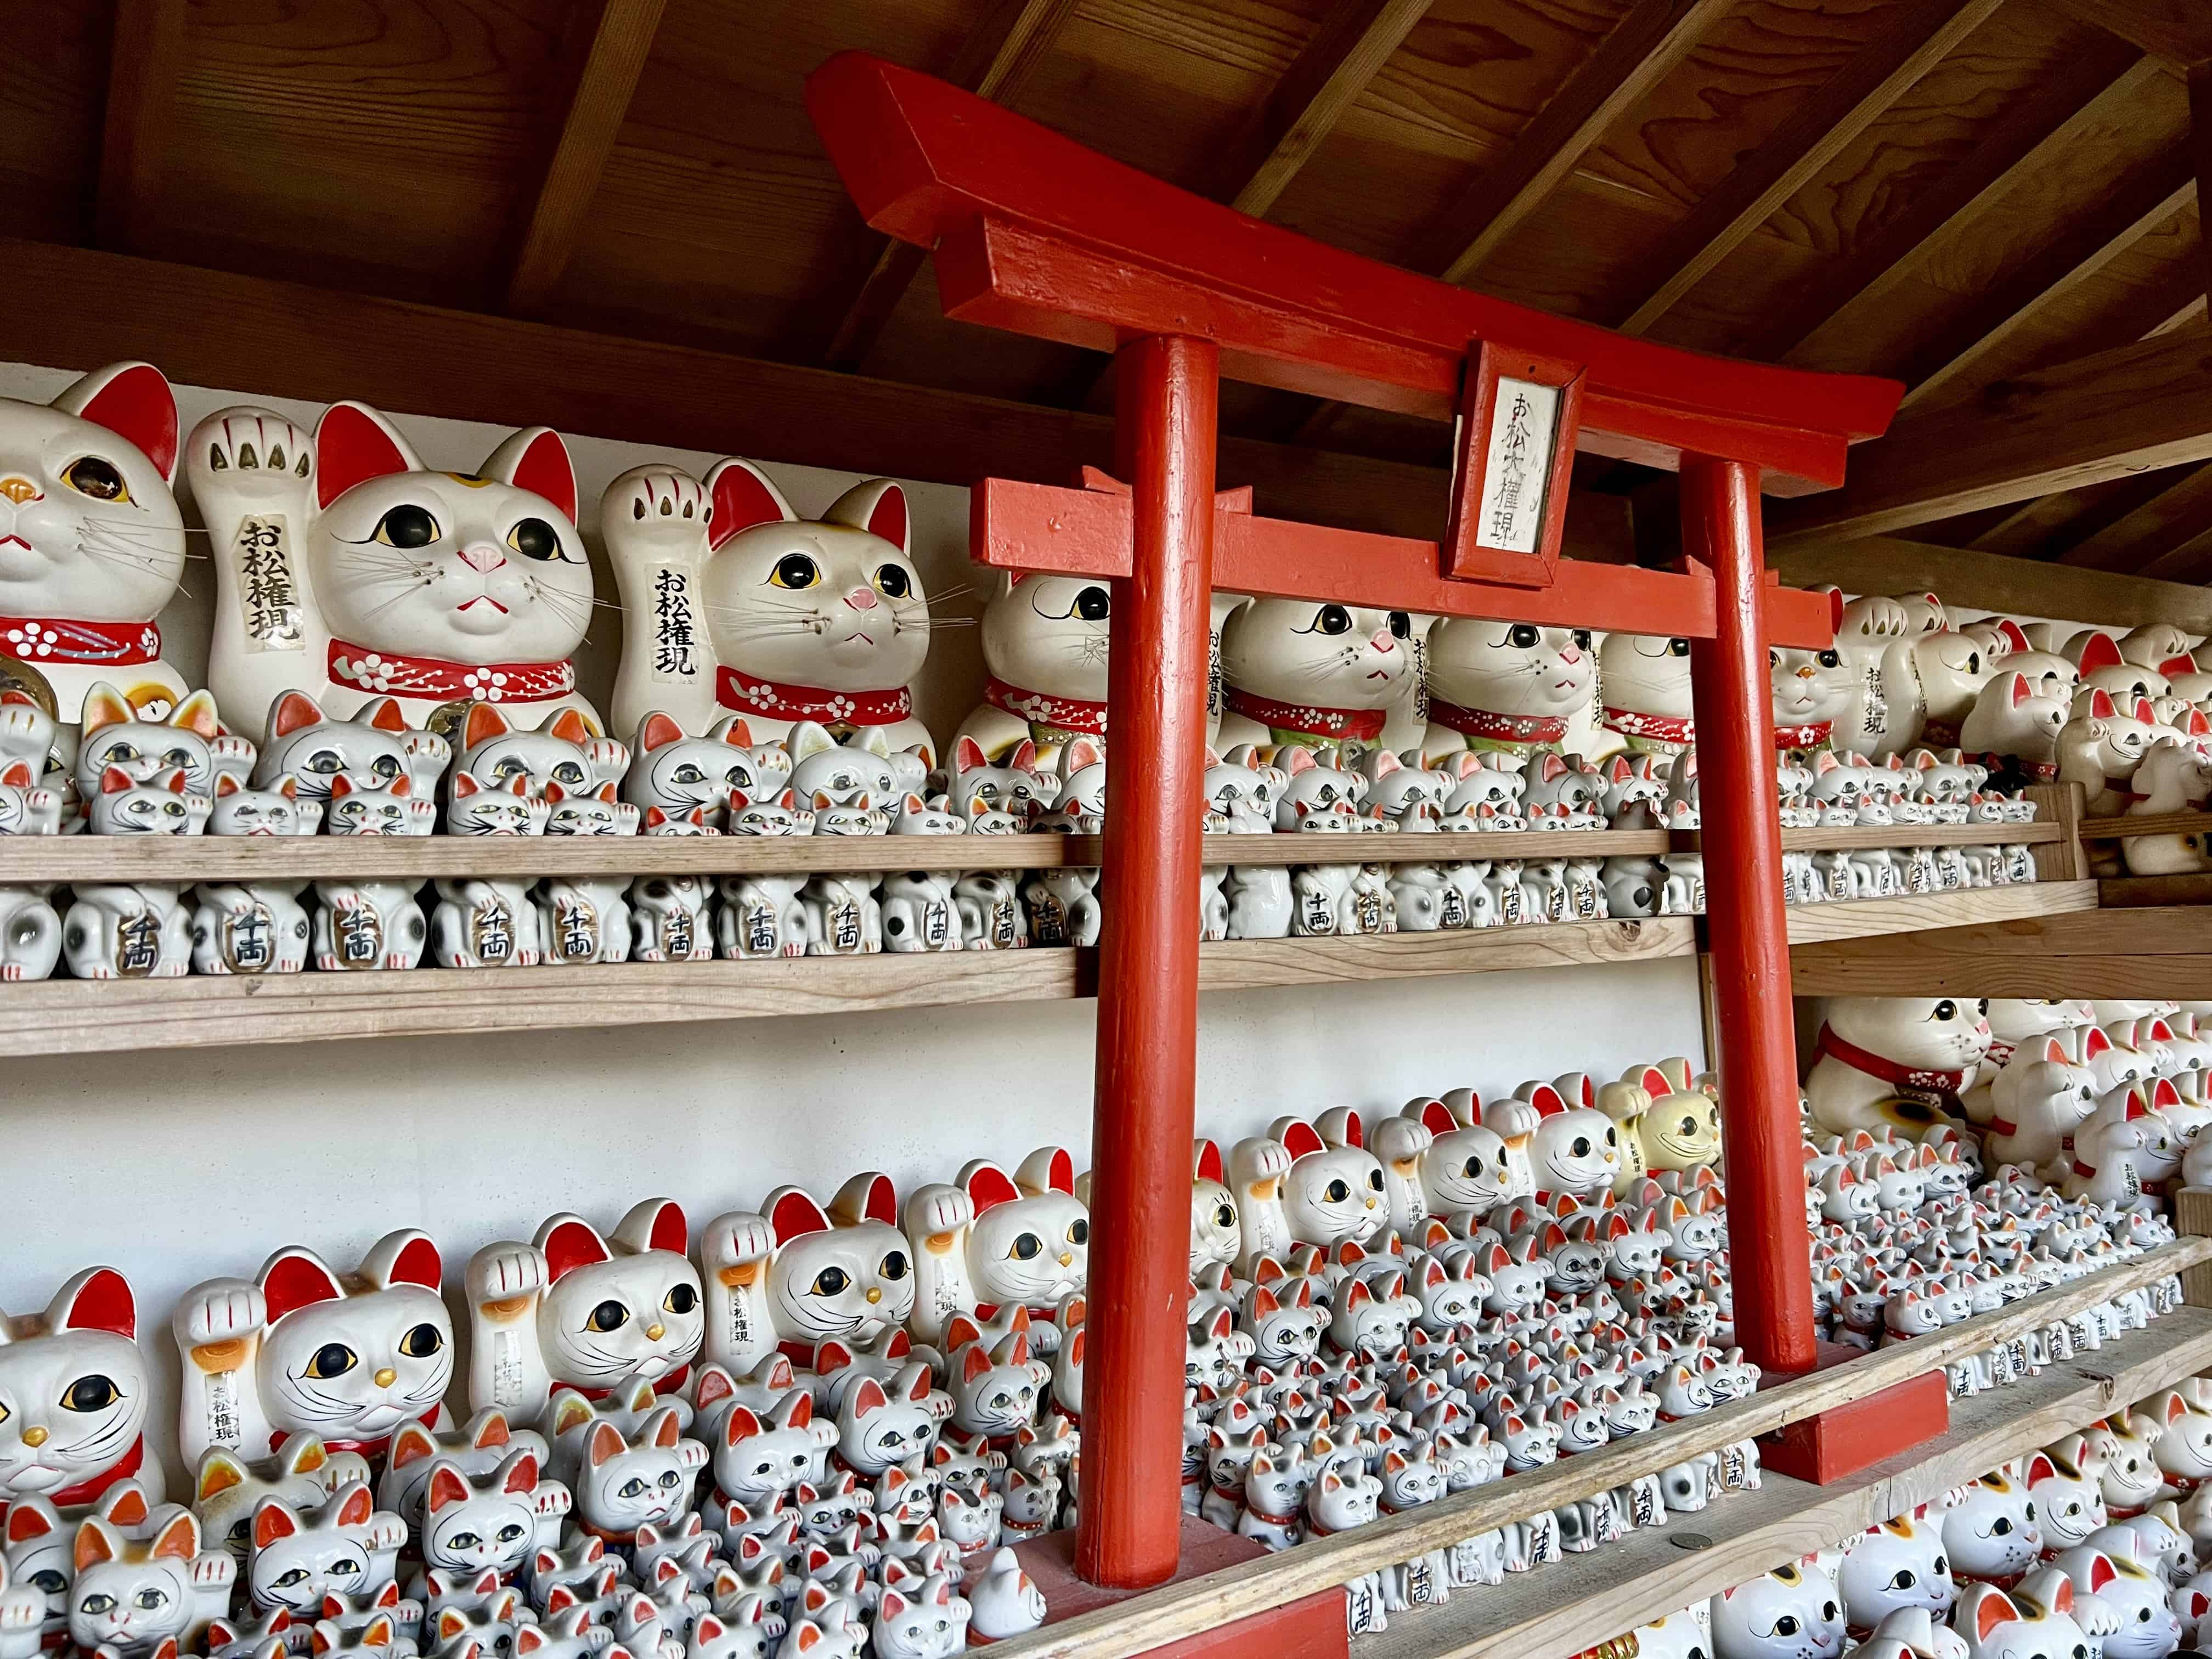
x=2191, y=563
x=1641, y=50
x=2146, y=200
x=2042, y=116
x=144, y=62
x=1345, y=54
x=606, y=77
x=1989, y=581
x=77, y=308
x=2175, y=516
x=998, y=56
x=2134, y=408
x=1825, y=123
x=2180, y=30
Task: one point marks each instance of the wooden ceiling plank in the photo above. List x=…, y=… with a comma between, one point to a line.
x=2200, y=155
x=2135, y=541
x=1345, y=53
x=2178, y=30
x=2107, y=67
x=73, y=307
x=1989, y=581
x=606, y=77
x=2145, y=202
x=1643, y=48
x=998, y=57
x=1823, y=125
x=2134, y=408
x=2191, y=563
x=138, y=127
x=2031, y=524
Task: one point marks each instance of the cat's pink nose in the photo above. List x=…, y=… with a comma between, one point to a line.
x=483, y=559
x=1383, y=639
x=1571, y=655
x=861, y=598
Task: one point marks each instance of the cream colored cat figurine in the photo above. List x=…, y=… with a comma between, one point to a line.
x=91, y=542
x=347, y=569
x=1045, y=642
x=1895, y=1062
x=1931, y=681
x=737, y=606
x=1644, y=679
x=1317, y=676
x=1504, y=687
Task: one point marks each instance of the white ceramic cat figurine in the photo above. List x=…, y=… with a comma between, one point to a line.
x=1006, y=1601
x=91, y=542
x=676, y=773
x=1504, y=687
x=368, y=574
x=117, y=736
x=1045, y=640
x=30, y=932
x=1644, y=679
x=1894, y=1060
x=486, y=921
x=374, y=749
x=797, y=1275
x=1812, y=690
x=256, y=927
x=78, y=1388
x=669, y=919
x=1318, y=676
x=301, y=1350
x=131, y=1595
x=140, y=931
x=2013, y=717
x=344, y=1546
x=624, y=1483
x=737, y=606
x=594, y=1313
x=368, y=924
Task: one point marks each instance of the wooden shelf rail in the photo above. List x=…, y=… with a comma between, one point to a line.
x=1902, y=835
x=2160, y=951
x=1176, y=1612
x=2186, y=823
x=1558, y=1611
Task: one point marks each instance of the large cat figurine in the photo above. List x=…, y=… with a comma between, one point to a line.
x=1321, y=677
x=302, y=1350
x=76, y=1388
x=1504, y=687
x=1644, y=679
x=347, y=569
x=91, y=542
x=735, y=604
x=1898, y=1061
x=591, y=1313
x=1044, y=649
x=1812, y=690
x=996, y=1242
x=798, y=1275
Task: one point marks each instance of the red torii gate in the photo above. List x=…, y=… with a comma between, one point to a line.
x=1034, y=234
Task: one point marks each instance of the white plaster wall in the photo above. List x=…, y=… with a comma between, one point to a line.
x=179, y=1166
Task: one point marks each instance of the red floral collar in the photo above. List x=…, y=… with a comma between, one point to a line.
x=60, y=639
x=1813, y=735
x=394, y=673
x=1361, y=725
x=1888, y=1071
x=1042, y=708
x=1637, y=723
x=372, y=1449
x=746, y=694
x=1497, y=728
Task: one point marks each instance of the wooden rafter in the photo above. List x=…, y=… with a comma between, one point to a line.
x=2191, y=563
x=1823, y=125
x=606, y=77
x=2170, y=519
x=1988, y=582
x=2145, y=202
x=1000, y=54
x=147, y=51
x=1643, y=49
x=1345, y=53
x=2105, y=68
x=2178, y=30
x=2136, y=408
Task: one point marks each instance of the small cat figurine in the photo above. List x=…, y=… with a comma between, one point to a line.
x=923, y=1622
x=80, y=1384
x=585, y=919
x=101, y=544
x=476, y=808
x=139, y=932
x=130, y=1595
x=669, y=919
x=119, y=737
x=997, y=1388
x=761, y=915
x=367, y=575
x=486, y=921
x=565, y=750
x=119, y=803
x=739, y=606
x=226, y=1487
x=573, y=1307
x=646, y=1479
x=256, y=928
x=879, y=1427
x=474, y=1525
x=1006, y=1601
x=24, y=808
x=1323, y=677
x=677, y=774
x=343, y=1547
x=374, y=749
x=301, y=1350
x=365, y=809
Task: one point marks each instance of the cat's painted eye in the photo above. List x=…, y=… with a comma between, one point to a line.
x=1331, y=619
x=462, y=1540
x=796, y=570
x=406, y=526
x=1224, y=1216
x=97, y=478
x=1026, y=1247
x=831, y=1281
x=633, y=1487
x=609, y=1316
x=680, y=1299
x=331, y=1359
x=893, y=582
x=534, y=538
x=1078, y=1231
x=297, y=1576
x=422, y=1341
x=96, y=1604
x=671, y=1478
x=53, y=1583
x=1337, y=1191
x=892, y=1266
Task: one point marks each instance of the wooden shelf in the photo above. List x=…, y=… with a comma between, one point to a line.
x=1558, y=1611
x=2150, y=952
x=2128, y=827
x=64, y=1016
x=1900, y=835
x=2136, y=892
x=2182, y=1339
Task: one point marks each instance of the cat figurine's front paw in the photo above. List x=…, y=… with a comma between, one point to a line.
x=735, y=1240
x=221, y=1311
x=506, y=1273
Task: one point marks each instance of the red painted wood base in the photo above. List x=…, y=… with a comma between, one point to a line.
x=1310, y=1629
x=1842, y=1440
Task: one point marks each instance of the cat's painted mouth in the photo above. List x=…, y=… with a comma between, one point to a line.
x=482, y=598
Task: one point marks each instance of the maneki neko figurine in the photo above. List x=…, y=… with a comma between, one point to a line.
x=738, y=606
x=76, y=1387
x=1505, y=688
x=1214, y=1236
x=1321, y=676
x=1644, y=679
x=300, y=1349
x=1811, y=691
x=1306, y=1184
x=575, y=1308
x=1895, y=1061
x=1045, y=642
x=796, y=1275
x=1682, y=1129
x=994, y=1242
x=91, y=542
x=347, y=569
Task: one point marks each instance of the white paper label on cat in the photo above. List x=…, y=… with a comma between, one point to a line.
x=1524, y=424
x=268, y=591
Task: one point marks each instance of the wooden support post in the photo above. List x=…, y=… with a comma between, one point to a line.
x=1746, y=925
x=1142, y=1122
x=2192, y=1218
x=2062, y=859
